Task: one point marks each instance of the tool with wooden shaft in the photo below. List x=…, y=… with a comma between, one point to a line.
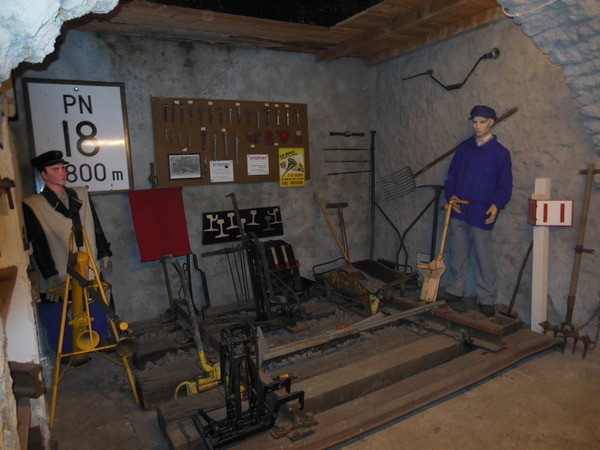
x=341, y=246
x=432, y=272
x=566, y=329
x=340, y=209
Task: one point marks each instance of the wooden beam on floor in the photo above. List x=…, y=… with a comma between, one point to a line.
x=351, y=419
x=363, y=376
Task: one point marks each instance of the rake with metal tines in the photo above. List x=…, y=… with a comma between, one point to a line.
x=402, y=182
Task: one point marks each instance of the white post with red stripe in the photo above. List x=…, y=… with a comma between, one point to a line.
x=539, y=279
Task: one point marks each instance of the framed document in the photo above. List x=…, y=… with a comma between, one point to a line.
x=87, y=121
x=184, y=167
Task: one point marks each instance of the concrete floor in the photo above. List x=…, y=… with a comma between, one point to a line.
x=550, y=401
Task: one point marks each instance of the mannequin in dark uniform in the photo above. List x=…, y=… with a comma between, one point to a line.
x=50, y=218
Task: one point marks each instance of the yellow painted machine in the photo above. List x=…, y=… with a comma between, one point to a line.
x=211, y=375
x=82, y=287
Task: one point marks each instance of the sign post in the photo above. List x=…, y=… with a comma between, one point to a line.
x=87, y=121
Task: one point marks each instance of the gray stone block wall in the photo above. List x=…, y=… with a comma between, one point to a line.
x=548, y=137
x=9, y=437
x=569, y=32
x=416, y=121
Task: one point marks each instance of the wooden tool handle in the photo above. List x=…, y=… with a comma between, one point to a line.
x=331, y=227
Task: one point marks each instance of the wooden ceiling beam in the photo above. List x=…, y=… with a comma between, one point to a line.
x=177, y=23
x=473, y=22
x=384, y=31
x=414, y=17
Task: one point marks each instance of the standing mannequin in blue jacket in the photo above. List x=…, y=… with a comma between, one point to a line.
x=480, y=173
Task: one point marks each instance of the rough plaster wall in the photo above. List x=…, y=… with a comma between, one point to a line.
x=30, y=27
x=9, y=438
x=569, y=32
x=338, y=95
x=546, y=137
x=20, y=330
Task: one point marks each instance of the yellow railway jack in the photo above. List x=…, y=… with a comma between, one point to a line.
x=81, y=287
x=212, y=373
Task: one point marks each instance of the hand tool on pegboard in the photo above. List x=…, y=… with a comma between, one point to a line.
x=346, y=133
x=402, y=182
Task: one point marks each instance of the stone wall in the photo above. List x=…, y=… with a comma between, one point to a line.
x=547, y=138
x=29, y=29
x=416, y=121
x=568, y=31
x=9, y=438
x=338, y=95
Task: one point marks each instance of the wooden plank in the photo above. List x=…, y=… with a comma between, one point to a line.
x=153, y=350
x=374, y=34
x=23, y=422
x=375, y=321
x=157, y=385
x=8, y=278
x=175, y=410
x=367, y=375
x=172, y=22
x=309, y=365
x=410, y=19
x=181, y=435
x=346, y=421
x=396, y=48
x=473, y=321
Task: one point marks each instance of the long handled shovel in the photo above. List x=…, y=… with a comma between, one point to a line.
x=402, y=182
x=432, y=272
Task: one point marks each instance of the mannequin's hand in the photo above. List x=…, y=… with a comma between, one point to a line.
x=54, y=280
x=492, y=213
x=106, y=265
x=455, y=206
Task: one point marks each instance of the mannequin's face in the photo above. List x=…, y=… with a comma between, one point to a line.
x=55, y=176
x=482, y=126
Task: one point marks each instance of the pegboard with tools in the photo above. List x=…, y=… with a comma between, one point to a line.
x=203, y=141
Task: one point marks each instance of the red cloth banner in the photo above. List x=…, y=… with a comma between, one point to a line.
x=159, y=222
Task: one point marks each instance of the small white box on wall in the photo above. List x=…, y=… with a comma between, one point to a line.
x=550, y=213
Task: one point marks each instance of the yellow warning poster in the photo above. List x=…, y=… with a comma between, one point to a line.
x=291, y=167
